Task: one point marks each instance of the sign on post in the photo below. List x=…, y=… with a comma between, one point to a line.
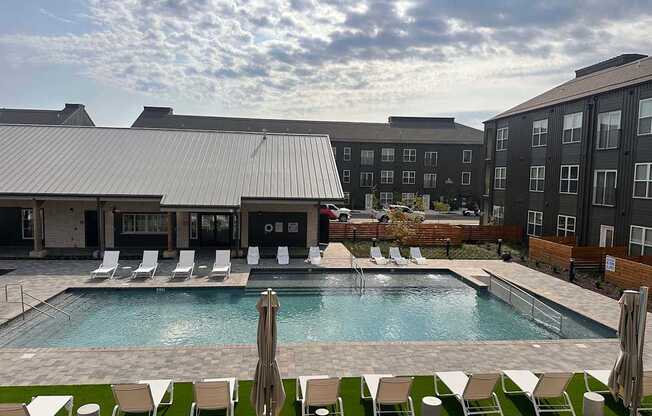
x=610, y=263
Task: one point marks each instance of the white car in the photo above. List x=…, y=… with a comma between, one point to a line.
x=470, y=212
x=342, y=214
x=383, y=215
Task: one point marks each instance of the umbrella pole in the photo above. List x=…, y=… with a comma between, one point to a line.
x=643, y=294
x=268, y=403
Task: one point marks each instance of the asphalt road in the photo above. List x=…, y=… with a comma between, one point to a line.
x=455, y=217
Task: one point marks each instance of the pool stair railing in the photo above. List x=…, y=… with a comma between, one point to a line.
x=359, y=282
x=40, y=307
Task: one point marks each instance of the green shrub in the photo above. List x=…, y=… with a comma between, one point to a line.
x=441, y=206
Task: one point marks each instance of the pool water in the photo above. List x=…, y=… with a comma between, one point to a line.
x=441, y=308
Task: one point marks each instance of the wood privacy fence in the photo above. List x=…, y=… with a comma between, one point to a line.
x=558, y=251
x=630, y=272
x=426, y=234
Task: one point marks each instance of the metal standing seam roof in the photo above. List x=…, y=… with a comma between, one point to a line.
x=608, y=79
x=184, y=168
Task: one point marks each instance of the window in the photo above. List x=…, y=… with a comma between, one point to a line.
x=409, y=155
x=27, y=223
x=640, y=241
x=572, y=128
x=366, y=157
x=194, y=226
x=430, y=159
x=499, y=214
x=407, y=198
x=386, y=198
x=387, y=154
x=534, y=223
x=347, y=154
x=569, y=179
x=144, y=224
x=334, y=151
x=645, y=116
x=565, y=225
x=537, y=178
x=466, y=178
x=386, y=176
x=608, y=130
x=409, y=177
x=540, y=133
x=346, y=176
x=366, y=179
x=500, y=178
x=502, y=136
x=429, y=180
x=604, y=187
x=347, y=198
x=643, y=180
x=466, y=156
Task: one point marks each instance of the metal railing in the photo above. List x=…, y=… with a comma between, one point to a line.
x=35, y=307
x=526, y=303
x=359, y=282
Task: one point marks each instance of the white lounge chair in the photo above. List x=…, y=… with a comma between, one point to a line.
x=253, y=255
x=541, y=390
x=603, y=377
x=282, y=255
x=39, y=406
x=186, y=264
x=385, y=389
x=473, y=392
x=314, y=256
x=319, y=391
x=143, y=397
x=148, y=266
x=109, y=265
x=395, y=255
x=222, y=265
x=415, y=255
x=215, y=394
x=376, y=256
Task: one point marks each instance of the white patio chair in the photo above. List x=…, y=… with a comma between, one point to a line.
x=395, y=255
x=387, y=390
x=148, y=266
x=253, y=256
x=319, y=391
x=222, y=265
x=215, y=394
x=473, y=392
x=186, y=264
x=39, y=406
x=109, y=265
x=143, y=397
x=415, y=255
x=376, y=256
x=541, y=390
x=283, y=255
x=314, y=256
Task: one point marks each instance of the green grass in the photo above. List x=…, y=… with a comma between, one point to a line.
x=483, y=251
x=350, y=391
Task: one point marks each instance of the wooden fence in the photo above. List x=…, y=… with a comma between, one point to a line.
x=427, y=234
x=558, y=251
x=630, y=272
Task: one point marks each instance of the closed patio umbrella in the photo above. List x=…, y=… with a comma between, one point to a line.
x=625, y=379
x=267, y=394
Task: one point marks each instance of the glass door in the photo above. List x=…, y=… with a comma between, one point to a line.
x=215, y=230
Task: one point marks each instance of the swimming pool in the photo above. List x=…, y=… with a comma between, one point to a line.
x=314, y=308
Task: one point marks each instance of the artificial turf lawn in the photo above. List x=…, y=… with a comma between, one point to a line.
x=350, y=392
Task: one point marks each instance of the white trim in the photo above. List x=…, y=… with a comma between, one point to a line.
x=645, y=230
x=505, y=138
x=22, y=223
x=382, y=182
x=410, y=153
x=412, y=174
x=367, y=151
x=544, y=124
x=344, y=154
x=569, y=179
x=603, y=241
x=638, y=119
x=346, y=178
x=646, y=181
x=464, y=152
x=565, y=228
x=434, y=182
x=462, y=179
x=572, y=127
x=503, y=178
x=608, y=114
x=367, y=174
x=382, y=156
x=595, y=178
x=537, y=179
x=425, y=158
x=535, y=224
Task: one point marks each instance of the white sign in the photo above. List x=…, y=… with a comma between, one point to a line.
x=278, y=227
x=610, y=264
x=293, y=227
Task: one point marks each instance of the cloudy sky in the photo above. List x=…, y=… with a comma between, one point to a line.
x=332, y=59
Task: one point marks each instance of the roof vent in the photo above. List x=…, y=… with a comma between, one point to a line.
x=609, y=63
x=264, y=134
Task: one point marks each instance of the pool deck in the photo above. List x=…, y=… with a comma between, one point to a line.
x=46, y=278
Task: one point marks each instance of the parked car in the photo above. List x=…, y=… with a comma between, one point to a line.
x=383, y=214
x=342, y=214
x=470, y=212
x=323, y=210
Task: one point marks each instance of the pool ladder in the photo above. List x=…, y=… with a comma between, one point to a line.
x=359, y=282
x=34, y=307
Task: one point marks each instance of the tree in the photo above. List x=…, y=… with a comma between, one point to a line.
x=403, y=228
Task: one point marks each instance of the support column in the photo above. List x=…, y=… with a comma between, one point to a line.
x=171, y=251
x=100, y=230
x=37, y=230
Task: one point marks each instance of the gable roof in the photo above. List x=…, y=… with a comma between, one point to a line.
x=439, y=130
x=69, y=115
x=597, y=82
x=183, y=168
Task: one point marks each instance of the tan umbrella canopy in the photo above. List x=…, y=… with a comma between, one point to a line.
x=626, y=377
x=267, y=394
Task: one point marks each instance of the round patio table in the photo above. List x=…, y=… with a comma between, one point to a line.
x=90, y=409
x=430, y=406
x=593, y=404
